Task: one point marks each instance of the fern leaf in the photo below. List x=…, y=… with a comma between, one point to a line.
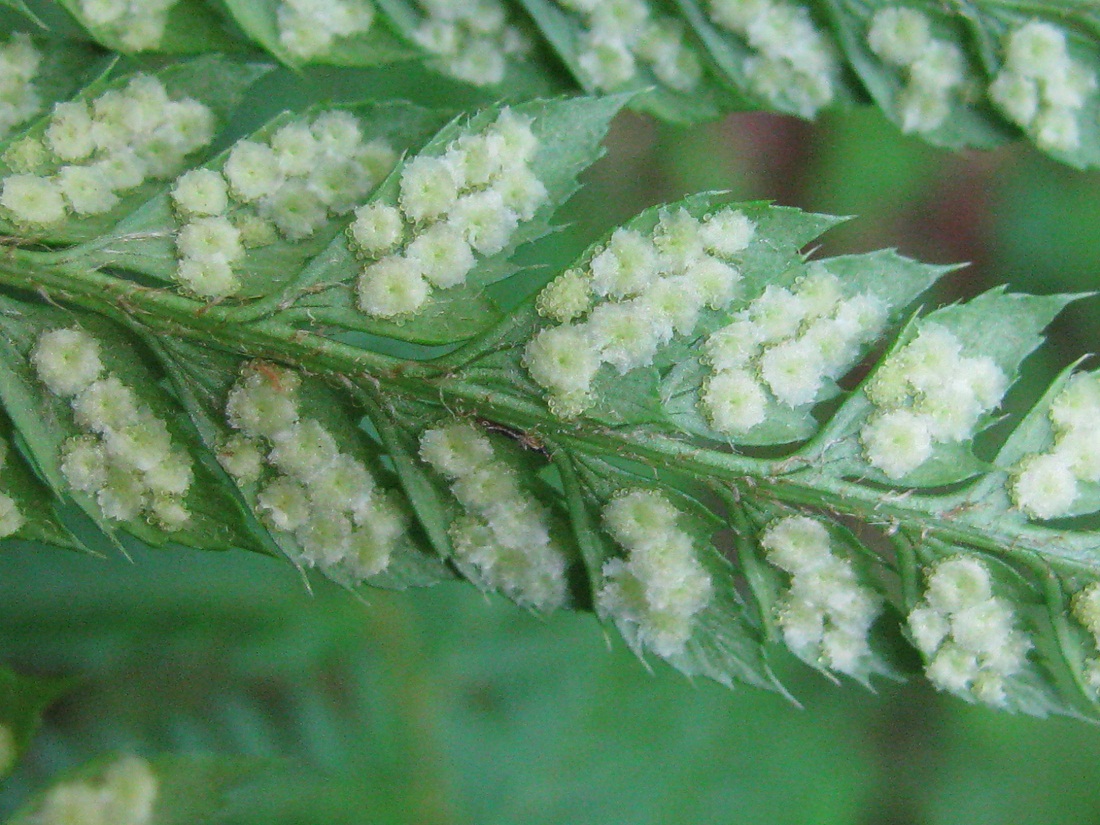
x=673, y=431
x=957, y=75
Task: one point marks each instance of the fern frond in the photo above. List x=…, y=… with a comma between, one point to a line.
x=229, y=351
x=956, y=74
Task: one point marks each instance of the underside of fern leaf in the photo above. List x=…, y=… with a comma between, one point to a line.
x=289, y=343
x=957, y=74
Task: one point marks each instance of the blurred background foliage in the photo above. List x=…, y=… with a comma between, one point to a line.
x=442, y=706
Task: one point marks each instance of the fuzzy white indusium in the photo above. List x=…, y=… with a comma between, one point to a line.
x=927, y=393
x=968, y=636
x=656, y=592
x=309, y=28
x=794, y=65
x=126, y=459
x=137, y=24
x=1041, y=87
x=453, y=209
x=934, y=70
x=11, y=518
x=303, y=482
x=638, y=292
x=19, y=99
x=825, y=614
x=505, y=532
x=93, y=152
x=289, y=185
x=619, y=37
x=472, y=40
x=783, y=347
x=1046, y=484
x=125, y=794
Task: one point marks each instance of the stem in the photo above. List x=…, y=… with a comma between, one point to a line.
x=165, y=312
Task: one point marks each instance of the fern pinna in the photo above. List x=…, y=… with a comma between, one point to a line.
x=317, y=340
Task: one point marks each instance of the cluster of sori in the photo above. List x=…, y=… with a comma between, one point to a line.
x=288, y=186
x=1041, y=88
x=1086, y=609
x=11, y=519
x=1045, y=485
x=137, y=24
x=967, y=634
x=925, y=394
x=305, y=485
x=92, y=151
x=825, y=614
x=795, y=64
x=126, y=794
x=934, y=69
x=656, y=592
x=783, y=346
x=638, y=292
x=505, y=532
x=621, y=33
x=467, y=201
x=473, y=40
x=19, y=101
x=308, y=28
x=125, y=457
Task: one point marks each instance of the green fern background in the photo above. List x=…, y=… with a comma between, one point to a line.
x=443, y=706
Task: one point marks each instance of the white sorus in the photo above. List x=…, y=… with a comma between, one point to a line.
x=1086, y=609
x=620, y=36
x=639, y=290
x=656, y=592
x=794, y=65
x=201, y=192
x=472, y=41
x=783, y=346
x=1041, y=88
x=1046, y=485
x=308, y=28
x=125, y=794
x=505, y=533
x=93, y=151
x=927, y=393
x=451, y=209
x=126, y=459
x=66, y=360
x=289, y=187
x=564, y=361
x=934, y=69
x=138, y=24
x=11, y=519
x=967, y=635
x=19, y=100
x=307, y=484
x=825, y=614
x=566, y=297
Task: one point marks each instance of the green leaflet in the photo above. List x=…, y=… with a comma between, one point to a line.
x=186, y=27
x=491, y=46
x=272, y=25
x=963, y=117
x=691, y=60
x=48, y=428
x=215, y=82
x=146, y=240
x=1005, y=327
x=568, y=134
